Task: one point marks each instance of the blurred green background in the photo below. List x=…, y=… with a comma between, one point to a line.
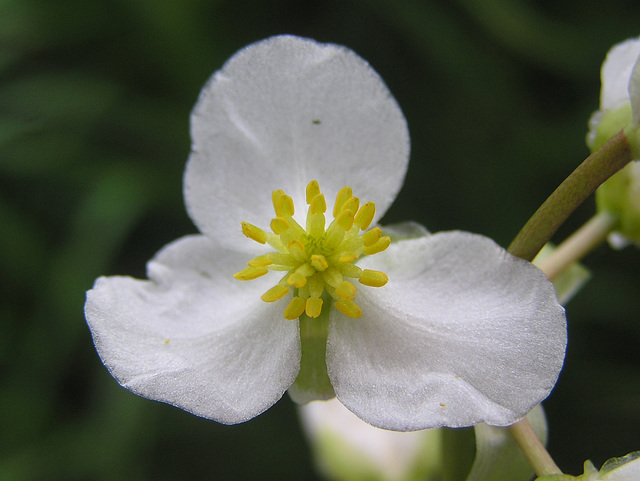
x=95, y=98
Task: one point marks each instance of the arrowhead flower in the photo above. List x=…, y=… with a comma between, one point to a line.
x=433, y=330
x=620, y=109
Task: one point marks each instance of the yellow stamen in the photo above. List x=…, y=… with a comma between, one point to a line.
x=313, y=307
x=250, y=273
x=348, y=308
x=253, y=232
x=275, y=293
x=373, y=278
x=295, y=308
x=260, y=261
x=364, y=217
x=346, y=290
x=345, y=220
x=317, y=262
x=348, y=257
x=318, y=205
x=297, y=280
x=352, y=205
x=332, y=277
x=371, y=237
x=344, y=195
x=379, y=246
x=279, y=225
x=313, y=189
x=315, y=284
x=282, y=204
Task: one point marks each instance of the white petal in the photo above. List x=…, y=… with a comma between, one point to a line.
x=462, y=333
x=283, y=112
x=616, y=71
x=193, y=336
x=634, y=91
x=344, y=445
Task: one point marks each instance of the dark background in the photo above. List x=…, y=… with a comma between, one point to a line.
x=95, y=98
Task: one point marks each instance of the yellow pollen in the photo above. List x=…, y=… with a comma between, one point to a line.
x=260, y=261
x=348, y=308
x=371, y=237
x=352, y=205
x=364, y=217
x=253, y=232
x=295, y=308
x=379, y=246
x=345, y=220
x=313, y=190
x=297, y=280
x=344, y=195
x=373, y=278
x=313, y=307
x=275, y=293
x=250, y=273
x=317, y=261
x=346, y=290
x=279, y=225
x=318, y=205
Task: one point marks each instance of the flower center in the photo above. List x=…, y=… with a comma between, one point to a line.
x=317, y=260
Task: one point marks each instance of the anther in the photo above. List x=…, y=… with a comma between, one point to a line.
x=296, y=280
x=313, y=307
x=313, y=189
x=373, y=278
x=316, y=261
x=282, y=204
x=345, y=220
x=364, y=217
x=352, y=205
x=344, y=195
x=295, y=308
x=275, y=293
x=254, y=233
x=346, y=290
x=279, y=225
x=348, y=308
x=250, y=273
x=371, y=237
x=379, y=246
x=260, y=261
x=318, y=205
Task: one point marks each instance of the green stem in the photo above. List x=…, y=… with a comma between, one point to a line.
x=579, y=244
x=313, y=381
x=533, y=449
x=582, y=182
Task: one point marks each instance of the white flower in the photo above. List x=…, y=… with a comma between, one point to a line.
x=626, y=468
x=620, y=109
x=462, y=332
x=620, y=93
x=345, y=447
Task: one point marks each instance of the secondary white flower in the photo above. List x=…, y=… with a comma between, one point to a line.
x=626, y=468
x=620, y=93
x=345, y=447
x=620, y=109
x=462, y=332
